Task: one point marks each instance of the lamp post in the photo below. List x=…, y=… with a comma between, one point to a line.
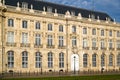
x=41, y=64
x=74, y=65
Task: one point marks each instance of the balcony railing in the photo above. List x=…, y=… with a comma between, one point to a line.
x=86, y=48
x=94, y=48
x=25, y=45
x=11, y=44
x=50, y=46
x=103, y=48
x=61, y=47
x=111, y=48
x=118, y=48
x=38, y=46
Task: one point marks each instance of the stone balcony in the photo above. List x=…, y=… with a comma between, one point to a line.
x=50, y=46
x=103, y=48
x=24, y=44
x=61, y=47
x=38, y=46
x=94, y=48
x=10, y=44
x=85, y=48
x=111, y=48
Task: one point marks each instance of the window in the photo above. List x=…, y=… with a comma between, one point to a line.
x=38, y=60
x=10, y=22
x=50, y=40
x=24, y=5
x=74, y=41
x=10, y=59
x=85, y=60
x=50, y=60
x=24, y=59
x=10, y=37
x=49, y=9
x=110, y=44
x=118, y=59
x=37, y=40
x=118, y=43
x=24, y=38
x=73, y=29
x=37, y=25
x=102, y=60
x=102, y=44
x=118, y=34
x=102, y=32
x=61, y=28
x=93, y=31
x=110, y=60
x=49, y=27
x=84, y=42
x=94, y=60
x=110, y=33
x=93, y=42
x=24, y=24
x=84, y=30
x=61, y=60
x=61, y=41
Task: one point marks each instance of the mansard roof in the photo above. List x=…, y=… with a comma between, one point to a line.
x=38, y=5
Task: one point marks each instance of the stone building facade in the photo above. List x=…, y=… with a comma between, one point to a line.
x=38, y=40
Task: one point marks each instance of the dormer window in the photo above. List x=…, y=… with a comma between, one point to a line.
x=24, y=5
x=49, y=9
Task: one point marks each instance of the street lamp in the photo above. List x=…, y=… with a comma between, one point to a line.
x=74, y=65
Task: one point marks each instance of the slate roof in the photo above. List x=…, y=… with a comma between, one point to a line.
x=38, y=5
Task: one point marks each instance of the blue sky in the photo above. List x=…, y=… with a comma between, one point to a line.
x=111, y=7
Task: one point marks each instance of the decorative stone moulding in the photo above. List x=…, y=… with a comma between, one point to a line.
x=114, y=22
x=106, y=20
x=31, y=10
x=89, y=19
x=0, y=3
x=98, y=19
x=67, y=14
x=55, y=14
x=44, y=12
x=79, y=16
x=18, y=7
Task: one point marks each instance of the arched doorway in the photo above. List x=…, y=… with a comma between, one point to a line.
x=74, y=62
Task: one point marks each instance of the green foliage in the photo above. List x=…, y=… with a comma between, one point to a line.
x=95, y=77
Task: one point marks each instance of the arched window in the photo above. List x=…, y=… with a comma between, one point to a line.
x=73, y=29
x=10, y=59
x=94, y=60
x=102, y=32
x=37, y=25
x=60, y=28
x=102, y=60
x=93, y=42
x=93, y=31
x=110, y=60
x=61, y=60
x=118, y=59
x=84, y=30
x=50, y=60
x=38, y=60
x=49, y=27
x=24, y=59
x=85, y=60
